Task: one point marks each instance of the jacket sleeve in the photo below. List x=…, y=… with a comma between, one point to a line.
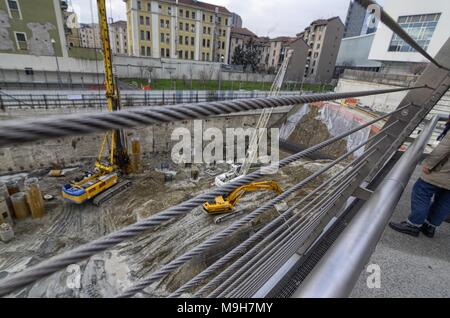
x=441, y=153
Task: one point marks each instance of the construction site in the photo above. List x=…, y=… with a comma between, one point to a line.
x=106, y=201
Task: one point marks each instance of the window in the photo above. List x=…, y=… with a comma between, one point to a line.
x=192, y=41
x=161, y=23
x=141, y=20
x=316, y=54
x=186, y=40
x=139, y=5
x=187, y=14
x=167, y=53
x=149, y=52
x=142, y=35
x=419, y=27
x=21, y=39
x=192, y=28
x=167, y=38
x=193, y=15
x=203, y=17
x=318, y=46
x=207, y=56
x=167, y=24
x=186, y=27
x=186, y=55
x=147, y=20
x=209, y=30
x=203, y=56
x=223, y=45
x=142, y=50
x=169, y=10
x=149, y=7
x=210, y=18
x=14, y=9
x=29, y=70
x=220, y=20
x=224, y=33
x=180, y=54
x=208, y=43
x=181, y=12
x=204, y=42
x=192, y=55
x=162, y=37
x=181, y=26
x=226, y=21
x=148, y=35
x=162, y=52
x=180, y=39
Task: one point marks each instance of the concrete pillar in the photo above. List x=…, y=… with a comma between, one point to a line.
x=155, y=30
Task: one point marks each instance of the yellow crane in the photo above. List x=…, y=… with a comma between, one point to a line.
x=227, y=205
x=105, y=175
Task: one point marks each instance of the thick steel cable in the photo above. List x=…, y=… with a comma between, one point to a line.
x=218, y=237
x=234, y=269
x=397, y=29
x=246, y=261
x=290, y=245
x=15, y=132
x=82, y=252
x=257, y=237
x=278, y=221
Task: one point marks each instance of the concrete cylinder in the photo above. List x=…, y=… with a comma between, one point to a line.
x=34, y=198
x=6, y=232
x=12, y=187
x=136, y=155
x=6, y=197
x=20, y=205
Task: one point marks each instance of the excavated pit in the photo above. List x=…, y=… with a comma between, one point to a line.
x=66, y=226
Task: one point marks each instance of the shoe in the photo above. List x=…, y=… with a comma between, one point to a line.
x=405, y=228
x=428, y=230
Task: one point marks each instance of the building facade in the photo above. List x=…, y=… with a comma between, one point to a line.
x=183, y=29
x=428, y=22
x=277, y=51
x=90, y=36
x=324, y=39
x=236, y=20
x=354, y=22
x=297, y=64
x=239, y=38
x=118, y=37
x=25, y=30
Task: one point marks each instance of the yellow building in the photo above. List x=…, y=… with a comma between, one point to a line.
x=183, y=29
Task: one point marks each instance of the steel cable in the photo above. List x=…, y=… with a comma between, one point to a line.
x=15, y=132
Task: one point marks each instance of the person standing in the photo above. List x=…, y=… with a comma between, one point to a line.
x=430, y=199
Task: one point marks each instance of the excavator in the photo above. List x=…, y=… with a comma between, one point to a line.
x=223, y=205
x=103, y=181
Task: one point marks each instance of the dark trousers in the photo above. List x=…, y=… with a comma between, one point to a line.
x=429, y=203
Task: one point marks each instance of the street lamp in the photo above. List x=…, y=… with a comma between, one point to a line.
x=57, y=63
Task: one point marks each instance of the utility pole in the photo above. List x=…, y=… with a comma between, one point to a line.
x=58, y=75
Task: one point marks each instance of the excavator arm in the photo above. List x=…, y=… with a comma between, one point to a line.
x=226, y=205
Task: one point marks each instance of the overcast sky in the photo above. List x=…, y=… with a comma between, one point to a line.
x=263, y=17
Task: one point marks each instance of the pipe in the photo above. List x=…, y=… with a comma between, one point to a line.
x=338, y=271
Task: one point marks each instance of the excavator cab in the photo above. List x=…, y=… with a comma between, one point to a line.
x=226, y=205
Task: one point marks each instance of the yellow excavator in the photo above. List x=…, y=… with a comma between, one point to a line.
x=105, y=173
x=226, y=205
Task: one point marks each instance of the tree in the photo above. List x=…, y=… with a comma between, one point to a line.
x=246, y=56
x=238, y=56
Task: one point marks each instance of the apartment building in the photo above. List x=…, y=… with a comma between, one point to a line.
x=118, y=37
x=25, y=30
x=277, y=51
x=90, y=36
x=239, y=38
x=324, y=39
x=183, y=29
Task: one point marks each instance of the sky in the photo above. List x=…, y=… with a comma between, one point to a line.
x=263, y=17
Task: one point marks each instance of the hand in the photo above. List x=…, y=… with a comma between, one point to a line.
x=426, y=170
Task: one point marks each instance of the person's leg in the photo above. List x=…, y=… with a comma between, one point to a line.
x=421, y=198
x=440, y=209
